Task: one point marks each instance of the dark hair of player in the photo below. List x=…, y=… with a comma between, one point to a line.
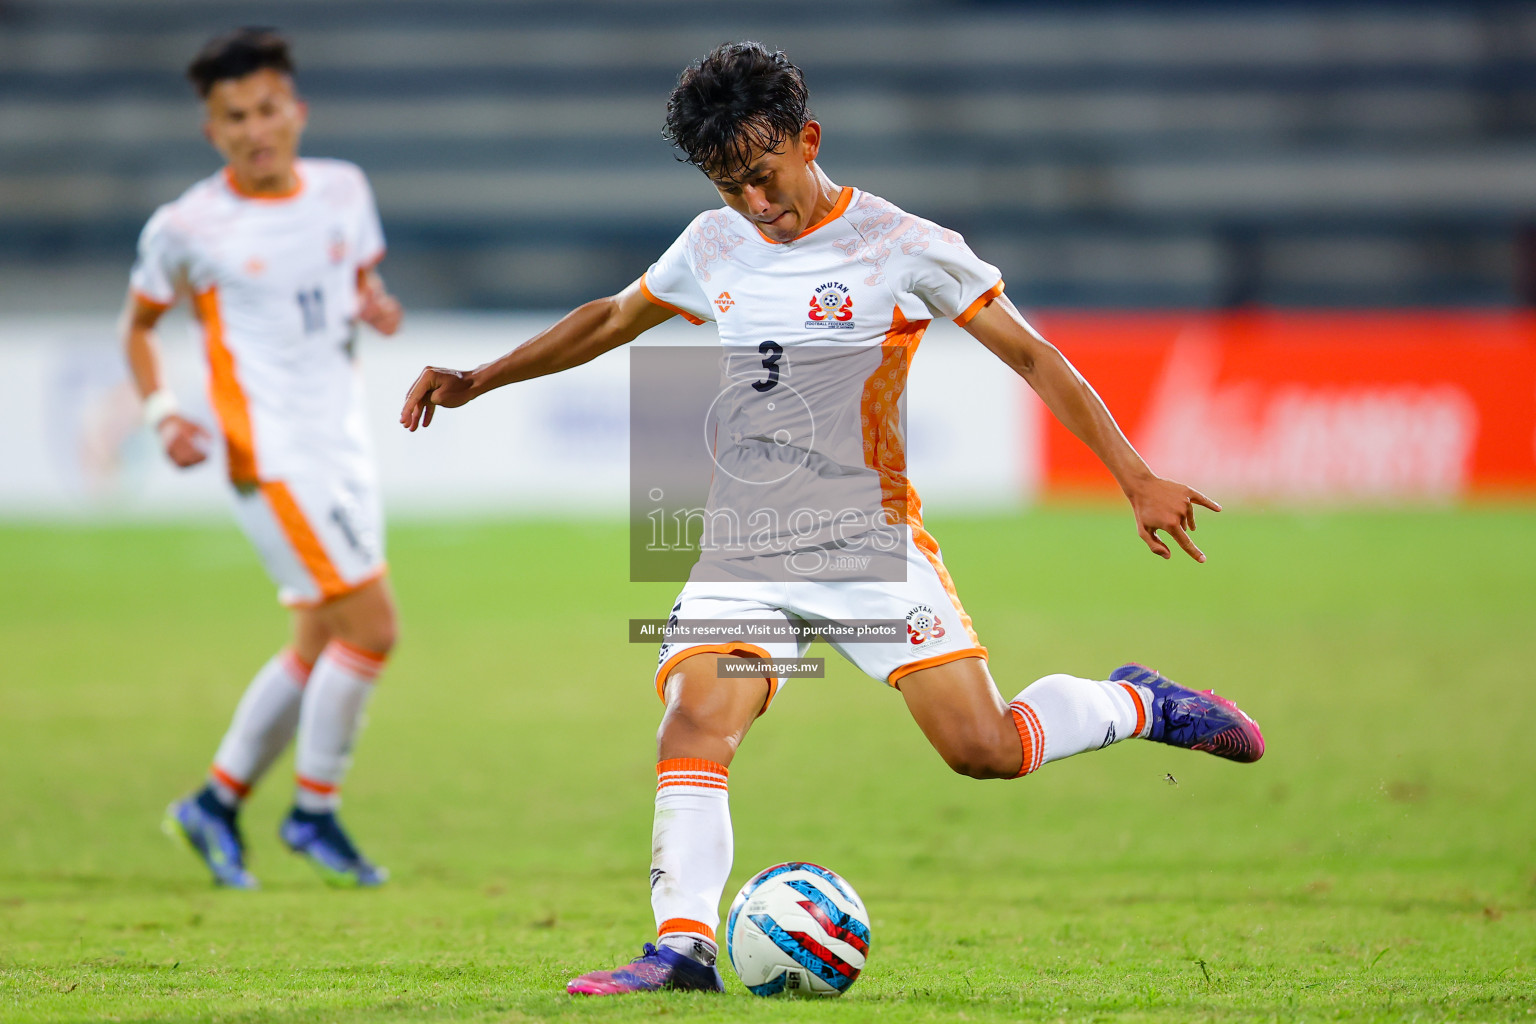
x=237, y=54
x=739, y=99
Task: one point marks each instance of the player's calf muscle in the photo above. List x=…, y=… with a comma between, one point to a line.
x=990, y=755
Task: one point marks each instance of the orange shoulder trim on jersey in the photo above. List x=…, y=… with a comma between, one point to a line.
x=229, y=402
x=145, y=300
x=645, y=290
x=265, y=197
x=838, y=209
x=981, y=301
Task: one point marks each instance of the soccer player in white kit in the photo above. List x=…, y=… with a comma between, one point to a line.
x=277, y=257
x=789, y=254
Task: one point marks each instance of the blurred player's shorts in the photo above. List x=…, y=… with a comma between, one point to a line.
x=319, y=536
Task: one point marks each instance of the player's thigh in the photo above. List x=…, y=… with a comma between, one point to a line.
x=709, y=709
x=959, y=709
x=740, y=619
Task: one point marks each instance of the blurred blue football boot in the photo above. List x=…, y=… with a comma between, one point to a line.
x=210, y=828
x=320, y=839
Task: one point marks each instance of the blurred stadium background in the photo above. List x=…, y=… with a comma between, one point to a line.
x=1163, y=171
x=1150, y=167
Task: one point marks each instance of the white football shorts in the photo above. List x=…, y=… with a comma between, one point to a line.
x=319, y=536
x=936, y=628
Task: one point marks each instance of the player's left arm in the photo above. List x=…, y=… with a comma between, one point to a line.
x=1158, y=504
x=376, y=307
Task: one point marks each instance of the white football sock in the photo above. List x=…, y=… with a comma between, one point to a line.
x=263, y=724
x=691, y=849
x=329, y=720
x=1062, y=715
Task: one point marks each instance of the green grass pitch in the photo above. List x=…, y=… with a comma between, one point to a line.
x=1378, y=864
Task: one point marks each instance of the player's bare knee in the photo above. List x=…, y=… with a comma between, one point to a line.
x=979, y=759
x=686, y=721
x=377, y=632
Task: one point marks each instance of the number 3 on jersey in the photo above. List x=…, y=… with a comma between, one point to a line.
x=312, y=309
x=771, y=351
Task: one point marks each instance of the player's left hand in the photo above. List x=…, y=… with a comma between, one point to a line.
x=379, y=309
x=435, y=386
x=1167, y=506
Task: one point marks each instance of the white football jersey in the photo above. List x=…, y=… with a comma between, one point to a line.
x=273, y=282
x=818, y=333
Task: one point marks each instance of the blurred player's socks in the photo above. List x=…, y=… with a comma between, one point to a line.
x=1062, y=715
x=331, y=714
x=263, y=724
x=691, y=850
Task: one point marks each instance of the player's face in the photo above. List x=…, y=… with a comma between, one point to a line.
x=778, y=191
x=255, y=122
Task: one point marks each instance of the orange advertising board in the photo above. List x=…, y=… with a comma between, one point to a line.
x=1308, y=405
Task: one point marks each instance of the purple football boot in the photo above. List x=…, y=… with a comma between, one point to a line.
x=654, y=969
x=1195, y=719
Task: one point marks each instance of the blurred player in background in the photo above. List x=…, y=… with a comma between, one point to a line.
x=788, y=234
x=277, y=257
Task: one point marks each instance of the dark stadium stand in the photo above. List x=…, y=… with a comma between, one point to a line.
x=1103, y=155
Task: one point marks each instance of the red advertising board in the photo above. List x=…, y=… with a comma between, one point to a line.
x=1308, y=405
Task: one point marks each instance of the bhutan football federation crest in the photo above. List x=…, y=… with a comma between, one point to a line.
x=831, y=307
x=923, y=625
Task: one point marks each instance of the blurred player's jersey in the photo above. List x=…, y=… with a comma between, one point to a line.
x=273, y=282
x=818, y=334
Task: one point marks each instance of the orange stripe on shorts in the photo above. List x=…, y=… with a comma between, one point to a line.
x=306, y=543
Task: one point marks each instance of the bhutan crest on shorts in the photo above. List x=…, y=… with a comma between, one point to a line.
x=831, y=306
x=923, y=625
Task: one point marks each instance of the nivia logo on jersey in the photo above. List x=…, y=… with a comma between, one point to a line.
x=831, y=307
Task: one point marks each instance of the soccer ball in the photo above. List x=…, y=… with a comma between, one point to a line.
x=797, y=929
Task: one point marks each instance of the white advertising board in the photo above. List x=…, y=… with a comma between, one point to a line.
x=73, y=448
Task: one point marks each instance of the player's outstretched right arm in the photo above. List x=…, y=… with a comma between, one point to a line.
x=578, y=337
x=185, y=442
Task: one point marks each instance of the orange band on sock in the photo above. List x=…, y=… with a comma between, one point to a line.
x=1141, y=712
x=1031, y=736
x=296, y=666
x=315, y=786
x=239, y=788
x=691, y=764
x=682, y=924
x=357, y=660
x=691, y=771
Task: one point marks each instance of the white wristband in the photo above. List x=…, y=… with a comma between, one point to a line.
x=158, y=406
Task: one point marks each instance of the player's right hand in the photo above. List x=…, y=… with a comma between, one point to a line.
x=435, y=386
x=185, y=442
